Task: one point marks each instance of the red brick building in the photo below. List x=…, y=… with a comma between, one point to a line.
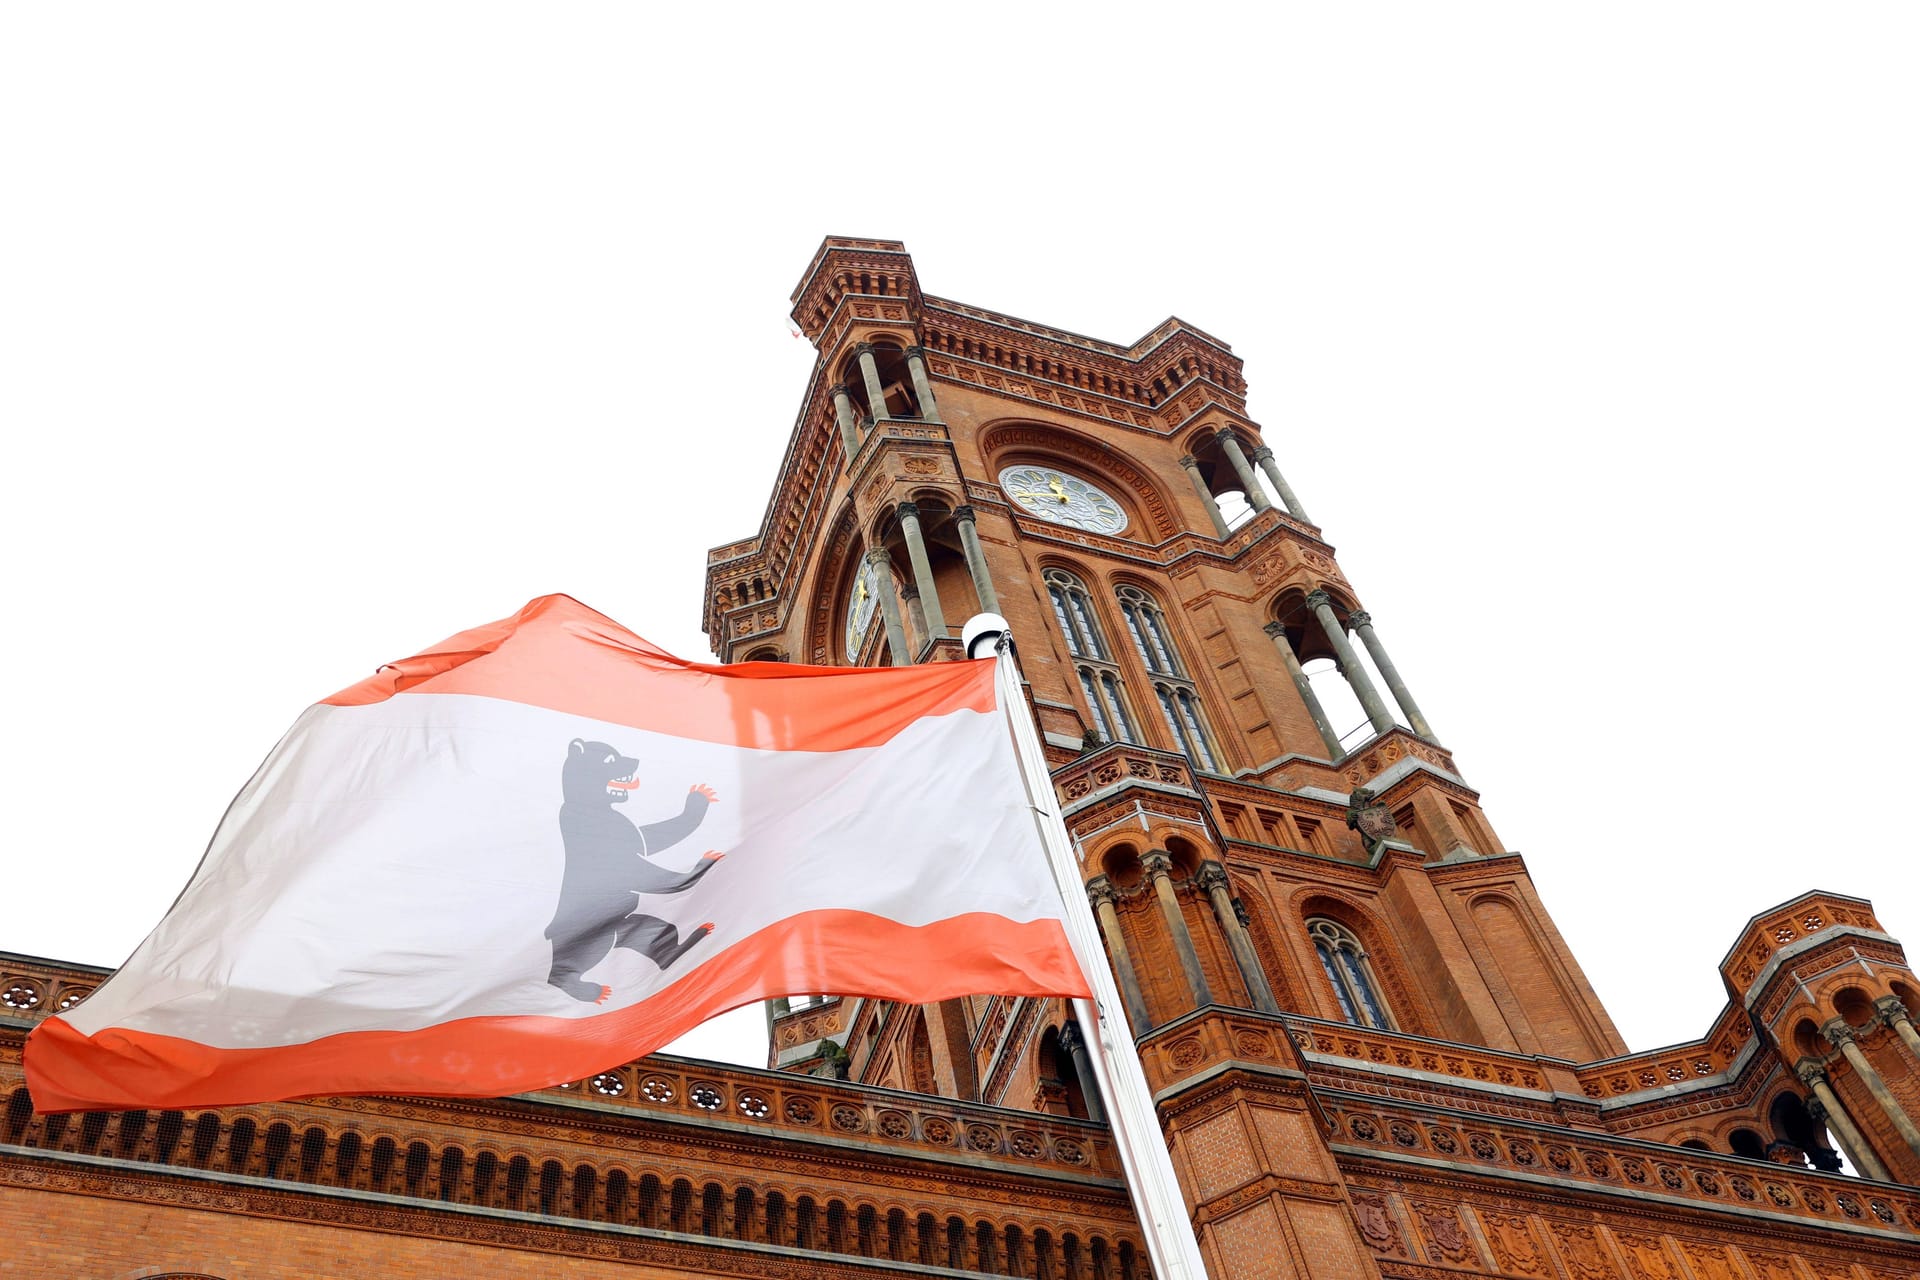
x=1374, y=1055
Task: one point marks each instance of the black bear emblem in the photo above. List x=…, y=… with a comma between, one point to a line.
x=607, y=866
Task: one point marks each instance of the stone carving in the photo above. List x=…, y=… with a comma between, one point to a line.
x=1377, y=1226
x=1373, y=821
x=1582, y=1252
x=1514, y=1246
x=1446, y=1240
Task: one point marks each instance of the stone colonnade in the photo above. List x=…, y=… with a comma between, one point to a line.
x=922, y=594
x=1257, y=498
x=843, y=412
x=1892, y=1013
x=1211, y=878
x=1355, y=674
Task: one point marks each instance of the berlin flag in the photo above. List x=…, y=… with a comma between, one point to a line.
x=545, y=846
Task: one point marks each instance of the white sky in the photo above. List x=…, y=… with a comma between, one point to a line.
x=1588, y=335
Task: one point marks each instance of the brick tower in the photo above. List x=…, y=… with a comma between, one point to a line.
x=1371, y=1052
x=1285, y=906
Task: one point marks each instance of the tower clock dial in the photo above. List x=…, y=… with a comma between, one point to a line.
x=1060, y=498
x=861, y=599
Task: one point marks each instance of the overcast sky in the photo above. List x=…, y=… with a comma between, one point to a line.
x=1588, y=335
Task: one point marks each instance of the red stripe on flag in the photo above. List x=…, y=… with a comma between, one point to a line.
x=559, y=654
x=849, y=952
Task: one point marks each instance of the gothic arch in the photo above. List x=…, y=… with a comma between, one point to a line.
x=1007, y=442
x=1409, y=1008
x=1178, y=678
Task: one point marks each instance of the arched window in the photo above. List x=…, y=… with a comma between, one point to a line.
x=1100, y=681
x=1179, y=701
x=1348, y=969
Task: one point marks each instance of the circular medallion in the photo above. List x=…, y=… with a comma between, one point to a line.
x=1060, y=498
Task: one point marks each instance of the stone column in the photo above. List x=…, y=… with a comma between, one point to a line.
x=876, y=397
x=1826, y=1108
x=1076, y=1046
x=916, y=616
x=1100, y=892
x=922, y=386
x=843, y=414
x=1895, y=1015
x=1159, y=866
x=1363, y=623
x=1264, y=456
x=1213, y=878
x=1192, y=468
x=1230, y=445
x=1307, y=695
x=976, y=560
x=1839, y=1033
x=1356, y=675
x=922, y=569
x=890, y=607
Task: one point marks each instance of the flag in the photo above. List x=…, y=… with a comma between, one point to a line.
x=545, y=847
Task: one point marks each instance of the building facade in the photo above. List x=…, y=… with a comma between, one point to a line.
x=1373, y=1054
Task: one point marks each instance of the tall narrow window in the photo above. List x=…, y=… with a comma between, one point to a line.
x=1351, y=974
x=1179, y=701
x=1100, y=682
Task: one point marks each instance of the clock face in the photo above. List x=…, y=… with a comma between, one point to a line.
x=1063, y=499
x=861, y=599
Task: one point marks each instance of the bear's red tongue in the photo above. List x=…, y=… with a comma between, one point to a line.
x=618, y=785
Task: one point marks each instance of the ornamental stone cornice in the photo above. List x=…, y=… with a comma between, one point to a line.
x=1673, y=1217
x=1528, y=1189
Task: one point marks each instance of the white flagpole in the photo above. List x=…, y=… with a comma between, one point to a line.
x=1155, y=1189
